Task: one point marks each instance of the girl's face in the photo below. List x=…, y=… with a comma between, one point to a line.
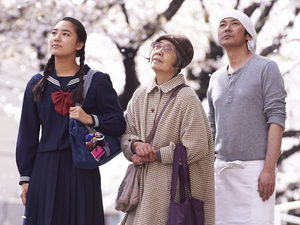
x=163, y=57
x=63, y=41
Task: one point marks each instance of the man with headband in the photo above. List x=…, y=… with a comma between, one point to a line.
x=247, y=116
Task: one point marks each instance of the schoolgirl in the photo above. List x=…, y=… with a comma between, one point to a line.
x=53, y=190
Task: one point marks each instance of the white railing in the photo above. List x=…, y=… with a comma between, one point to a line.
x=281, y=213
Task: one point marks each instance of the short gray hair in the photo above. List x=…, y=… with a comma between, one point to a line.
x=180, y=61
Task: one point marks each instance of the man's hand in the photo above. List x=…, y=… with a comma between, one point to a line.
x=266, y=183
x=79, y=114
x=266, y=180
x=24, y=193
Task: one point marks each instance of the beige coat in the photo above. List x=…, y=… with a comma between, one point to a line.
x=184, y=121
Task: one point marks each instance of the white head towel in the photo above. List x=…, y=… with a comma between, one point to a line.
x=246, y=22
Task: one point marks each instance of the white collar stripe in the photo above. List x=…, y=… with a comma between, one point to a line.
x=53, y=81
x=73, y=81
x=56, y=82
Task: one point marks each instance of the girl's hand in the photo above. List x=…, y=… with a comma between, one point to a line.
x=24, y=193
x=79, y=114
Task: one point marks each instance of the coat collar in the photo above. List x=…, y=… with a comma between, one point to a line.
x=167, y=86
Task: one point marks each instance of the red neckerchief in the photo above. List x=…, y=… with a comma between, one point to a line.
x=62, y=101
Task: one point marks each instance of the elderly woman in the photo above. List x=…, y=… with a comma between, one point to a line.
x=184, y=121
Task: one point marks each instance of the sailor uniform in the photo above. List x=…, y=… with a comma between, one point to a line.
x=58, y=192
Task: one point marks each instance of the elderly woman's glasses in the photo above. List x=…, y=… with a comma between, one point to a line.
x=166, y=48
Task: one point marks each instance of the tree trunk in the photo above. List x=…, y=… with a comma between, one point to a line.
x=131, y=81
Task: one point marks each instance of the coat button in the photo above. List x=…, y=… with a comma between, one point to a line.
x=152, y=110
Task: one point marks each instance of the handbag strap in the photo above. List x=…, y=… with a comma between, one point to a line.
x=182, y=172
x=124, y=220
x=185, y=173
x=152, y=133
x=175, y=172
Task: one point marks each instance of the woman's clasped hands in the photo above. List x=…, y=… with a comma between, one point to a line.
x=144, y=152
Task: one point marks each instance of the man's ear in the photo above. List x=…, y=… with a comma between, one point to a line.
x=248, y=37
x=79, y=45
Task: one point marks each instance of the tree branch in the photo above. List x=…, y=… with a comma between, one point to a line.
x=213, y=53
x=288, y=153
x=172, y=9
x=129, y=52
x=107, y=7
x=206, y=15
x=291, y=133
x=277, y=41
x=291, y=69
x=250, y=9
x=122, y=4
x=270, y=49
x=237, y=4
x=151, y=28
x=292, y=187
x=264, y=16
x=296, y=148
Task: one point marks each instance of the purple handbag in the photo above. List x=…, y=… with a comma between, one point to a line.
x=189, y=211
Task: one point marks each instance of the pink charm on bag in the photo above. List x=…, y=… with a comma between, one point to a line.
x=98, y=152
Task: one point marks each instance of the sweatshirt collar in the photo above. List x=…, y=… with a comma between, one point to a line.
x=244, y=67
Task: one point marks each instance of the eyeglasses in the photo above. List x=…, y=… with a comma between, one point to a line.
x=166, y=48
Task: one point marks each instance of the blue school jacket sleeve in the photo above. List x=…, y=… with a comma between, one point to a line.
x=108, y=117
x=28, y=136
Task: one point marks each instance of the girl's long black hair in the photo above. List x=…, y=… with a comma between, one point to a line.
x=39, y=88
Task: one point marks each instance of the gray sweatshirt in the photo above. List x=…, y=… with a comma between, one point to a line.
x=242, y=105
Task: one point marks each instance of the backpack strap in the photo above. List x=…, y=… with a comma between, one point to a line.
x=88, y=81
x=86, y=84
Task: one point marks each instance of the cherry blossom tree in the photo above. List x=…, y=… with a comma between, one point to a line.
x=129, y=26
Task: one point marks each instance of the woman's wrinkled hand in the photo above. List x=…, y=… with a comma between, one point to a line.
x=137, y=160
x=143, y=149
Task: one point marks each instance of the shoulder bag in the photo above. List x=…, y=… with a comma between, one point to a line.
x=90, y=148
x=189, y=211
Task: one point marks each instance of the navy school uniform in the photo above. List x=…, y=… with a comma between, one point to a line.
x=58, y=192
